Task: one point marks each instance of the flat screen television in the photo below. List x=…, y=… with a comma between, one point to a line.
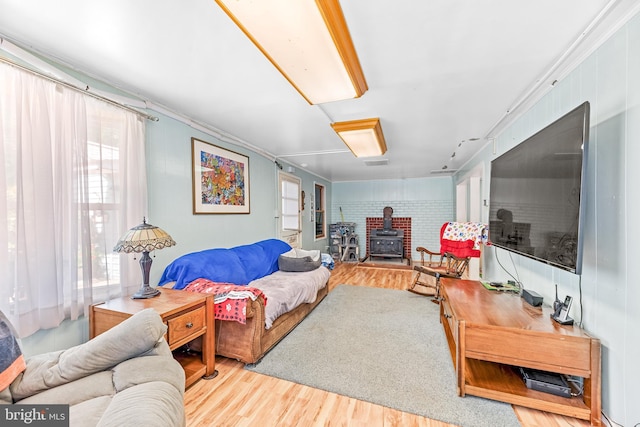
x=536, y=198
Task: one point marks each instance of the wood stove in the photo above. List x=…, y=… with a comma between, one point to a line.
x=386, y=242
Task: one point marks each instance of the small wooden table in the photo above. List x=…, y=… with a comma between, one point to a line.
x=188, y=315
x=490, y=332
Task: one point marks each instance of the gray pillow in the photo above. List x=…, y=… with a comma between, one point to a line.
x=294, y=264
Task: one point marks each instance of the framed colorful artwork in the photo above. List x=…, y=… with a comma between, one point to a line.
x=220, y=180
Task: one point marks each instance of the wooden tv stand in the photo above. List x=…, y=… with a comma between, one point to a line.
x=491, y=332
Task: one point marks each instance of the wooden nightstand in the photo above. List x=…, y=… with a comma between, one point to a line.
x=188, y=315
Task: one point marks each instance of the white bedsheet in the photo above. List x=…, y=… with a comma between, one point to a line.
x=287, y=290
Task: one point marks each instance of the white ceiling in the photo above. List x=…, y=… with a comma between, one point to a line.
x=440, y=72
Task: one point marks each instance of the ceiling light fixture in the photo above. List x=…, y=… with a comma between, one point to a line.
x=307, y=41
x=363, y=137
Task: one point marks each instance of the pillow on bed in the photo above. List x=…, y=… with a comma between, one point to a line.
x=299, y=260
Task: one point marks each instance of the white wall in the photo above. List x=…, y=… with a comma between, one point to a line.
x=428, y=201
x=609, y=80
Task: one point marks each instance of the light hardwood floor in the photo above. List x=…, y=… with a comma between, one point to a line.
x=237, y=397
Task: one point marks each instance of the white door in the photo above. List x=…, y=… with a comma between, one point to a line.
x=290, y=225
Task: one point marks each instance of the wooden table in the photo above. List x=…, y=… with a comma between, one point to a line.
x=491, y=332
x=188, y=315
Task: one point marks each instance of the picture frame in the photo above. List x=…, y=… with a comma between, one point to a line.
x=220, y=180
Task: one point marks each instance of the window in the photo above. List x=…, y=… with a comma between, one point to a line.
x=290, y=203
x=321, y=226
x=72, y=181
x=290, y=221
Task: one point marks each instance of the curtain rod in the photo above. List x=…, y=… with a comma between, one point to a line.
x=85, y=90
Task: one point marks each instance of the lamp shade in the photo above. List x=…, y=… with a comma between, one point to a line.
x=144, y=238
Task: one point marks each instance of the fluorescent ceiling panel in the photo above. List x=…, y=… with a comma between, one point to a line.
x=307, y=41
x=363, y=137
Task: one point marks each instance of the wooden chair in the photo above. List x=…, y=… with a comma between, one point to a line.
x=431, y=262
x=429, y=272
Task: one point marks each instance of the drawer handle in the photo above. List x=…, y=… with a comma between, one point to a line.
x=189, y=325
x=447, y=316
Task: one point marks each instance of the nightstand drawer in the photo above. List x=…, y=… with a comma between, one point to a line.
x=188, y=315
x=185, y=325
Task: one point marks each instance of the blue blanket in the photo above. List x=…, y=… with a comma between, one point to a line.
x=239, y=265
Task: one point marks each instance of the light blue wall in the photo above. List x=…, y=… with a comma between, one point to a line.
x=169, y=178
x=309, y=240
x=608, y=287
x=168, y=147
x=429, y=202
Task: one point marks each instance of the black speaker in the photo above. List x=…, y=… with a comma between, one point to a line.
x=532, y=297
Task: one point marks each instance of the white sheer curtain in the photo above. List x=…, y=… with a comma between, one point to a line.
x=72, y=180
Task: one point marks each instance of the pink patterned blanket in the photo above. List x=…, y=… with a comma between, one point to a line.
x=230, y=301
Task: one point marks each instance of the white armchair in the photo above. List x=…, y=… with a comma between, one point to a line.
x=126, y=376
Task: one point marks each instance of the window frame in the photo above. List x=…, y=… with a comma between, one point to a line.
x=319, y=208
x=293, y=236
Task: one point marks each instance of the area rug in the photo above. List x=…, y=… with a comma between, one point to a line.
x=382, y=346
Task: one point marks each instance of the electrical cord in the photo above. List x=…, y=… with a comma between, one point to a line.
x=520, y=286
x=517, y=281
x=578, y=384
x=580, y=297
x=611, y=422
